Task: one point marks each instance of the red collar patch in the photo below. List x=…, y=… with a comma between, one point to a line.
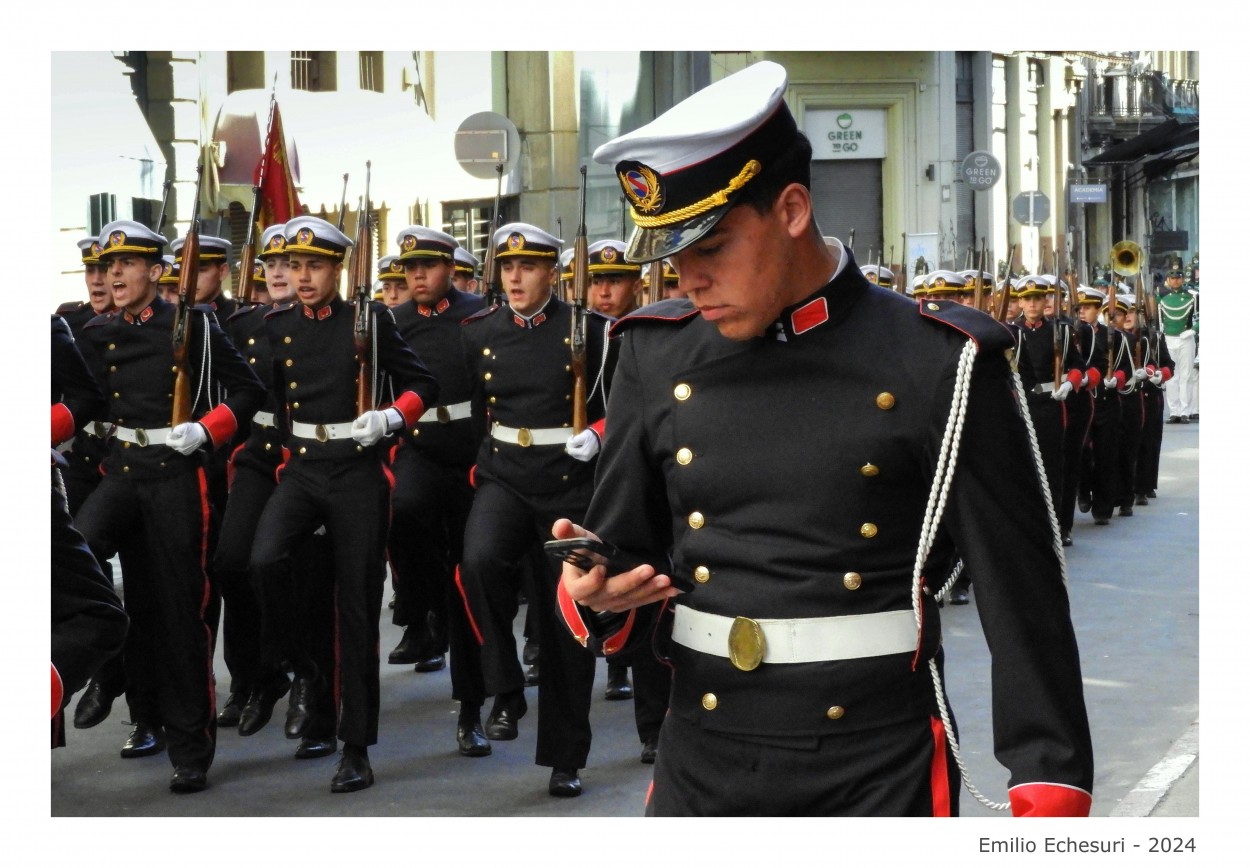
x=322, y=313
x=810, y=315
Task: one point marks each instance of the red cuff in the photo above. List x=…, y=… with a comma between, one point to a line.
x=220, y=424
x=1167, y=373
x=615, y=642
x=473, y=476
x=1049, y=800
x=572, y=615
x=62, y=424
x=58, y=691
x=1075, y=377
x=411, y=406
x=1095, y=377
x=1116, y=380
x=598, y=427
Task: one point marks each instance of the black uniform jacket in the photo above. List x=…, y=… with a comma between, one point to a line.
x=315, y=371
x=1035, y=354
x=262, y=448
x=522, y=379
x=434, y=332
x=809, y=467
x=76, y=397
x=135, y=352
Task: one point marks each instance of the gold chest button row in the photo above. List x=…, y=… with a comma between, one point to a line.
x=684, y=456
x=709, y=701
x=695, y=520
x=852, y=581
x=885, y=401
x=681, y=392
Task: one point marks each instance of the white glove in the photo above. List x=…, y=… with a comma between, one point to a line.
x=1064, y=390
x=187, y=437
x=584, y=446
x=373, y=425
x=1084, y=380
x=1140, y=374
x=1157, y=378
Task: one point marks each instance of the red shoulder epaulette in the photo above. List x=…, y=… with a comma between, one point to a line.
x=669, y=310
x=987, y=332
x=69, y=307
x=281, y=308
x=480, y=314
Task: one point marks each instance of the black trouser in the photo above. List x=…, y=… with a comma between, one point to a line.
x=158, y=527
x=1153, y=406
x=1079, y=411
x=1047, y=416
x=1130, y=445
x=502, y=530
x=1100, y=471
x=884, y=772
x=429, y=509
x=653, y=681
x=351, y=497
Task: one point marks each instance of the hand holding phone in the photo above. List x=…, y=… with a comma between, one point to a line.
x=585, y=553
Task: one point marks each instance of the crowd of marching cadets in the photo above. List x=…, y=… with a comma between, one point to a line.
x=280, y=511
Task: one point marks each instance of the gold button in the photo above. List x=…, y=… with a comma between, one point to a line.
x=684, y=456
x=564, y=478
x=702, y=574
x=492, y=399
x=290, y=362
x=292, y=385
x=932, y=306
x=416, y=431
x=696, y=520
x=867, y=530
x=295, y=406
x=251, y=361
x=125, y=444
x=251, y=341
x=852, y=581
x=709, y=701
x=568, y=367
x=568, y=397
x=682, y=392
x=126, y=469
x=885, y=400
x=174, y=369
x=303, y=449
x=268, y=446
x=117, y=394
x=287, y=339
x=835, y=713
x=486, y=376
x=486, y=351
x=112, y=346
x=567, y=341
x=869, y=470
x=112, y=369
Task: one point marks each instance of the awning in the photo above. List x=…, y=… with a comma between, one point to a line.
x=101, y=142
x=332, y=133
x=1167, y=136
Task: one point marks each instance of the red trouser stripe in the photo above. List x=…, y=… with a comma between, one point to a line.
x=205, y=597
x=939, y=782
x=464, y=598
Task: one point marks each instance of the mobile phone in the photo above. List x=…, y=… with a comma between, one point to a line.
x=585, y=553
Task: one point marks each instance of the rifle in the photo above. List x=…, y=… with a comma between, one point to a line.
x=187, y=279
x=494, y=292
x=978, y=292
x=343, y=202
x=850, y=245
x=160, y=218
x=901, y=274
x=1139, y=303
x=655, y=281
x=1004, y=300
x=362, y=284
x=581, y=288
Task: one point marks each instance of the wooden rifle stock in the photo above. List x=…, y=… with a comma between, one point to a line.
x=494, y=291
x=581, y=290
x=188, y=277
x=362, y=283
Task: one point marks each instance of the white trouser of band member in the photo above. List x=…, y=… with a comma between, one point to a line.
x=448, y=413
x=536, y=436
x=322, y=433
x=804, y=640
x=264, y=419
x=142, y=436
x=1043, y=389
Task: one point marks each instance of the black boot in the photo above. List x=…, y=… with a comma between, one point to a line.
x=471, y=740
x=144, y=740
x=297, y=706
x=260, y=704
x=618, y=682
x=93, y=706
x=501, y=723
x=354, y=772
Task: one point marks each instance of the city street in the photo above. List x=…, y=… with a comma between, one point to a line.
x=1134, y=590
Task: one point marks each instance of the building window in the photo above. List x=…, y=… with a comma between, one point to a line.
x=371, y=70
x=469, y=222
x=103, y=207
x=245, y=70
x=314, y=70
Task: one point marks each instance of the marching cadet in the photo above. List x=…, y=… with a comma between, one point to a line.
x=1050, y=370
x=1100, y=464
x=1158, y=363
x=878, y=275
x=170, y=276
x=967, y=294
x=531, y=468
x=335, y=475
x=739, y=424
x=260, y=289
x=672, y=282
x=432, y=496
x=1079, y=411
x=614, y=283
x=1131, y=407
x=214, y=268
x=464, y=278
x=1178, y=308
x=154, y=488
x=81, y=475
x=395, y=289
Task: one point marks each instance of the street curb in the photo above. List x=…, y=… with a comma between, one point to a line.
x=1150, y=790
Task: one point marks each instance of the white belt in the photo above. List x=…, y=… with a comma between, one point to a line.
x=102, y=430
x=803, y=640
x=449, y=413
x=264, y=419
x=531, y=436
x=142, y=436
x=1042, y=389
x=322, y=433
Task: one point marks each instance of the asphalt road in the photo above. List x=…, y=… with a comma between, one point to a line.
x=1134, y=591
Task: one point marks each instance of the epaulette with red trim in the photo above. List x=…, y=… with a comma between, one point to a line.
x=69, y=307
x=281, y=308
x=244, y=309
x=480, y=314
x=101, y=319
x=987, y=332
x=669, y=310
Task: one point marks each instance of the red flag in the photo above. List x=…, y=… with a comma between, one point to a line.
x=278, y=200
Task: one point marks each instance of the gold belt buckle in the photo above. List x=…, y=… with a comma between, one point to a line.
x=746, y=644
x=322, y=435
x=524, y=437
x=442, y=414
x=141, y=437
